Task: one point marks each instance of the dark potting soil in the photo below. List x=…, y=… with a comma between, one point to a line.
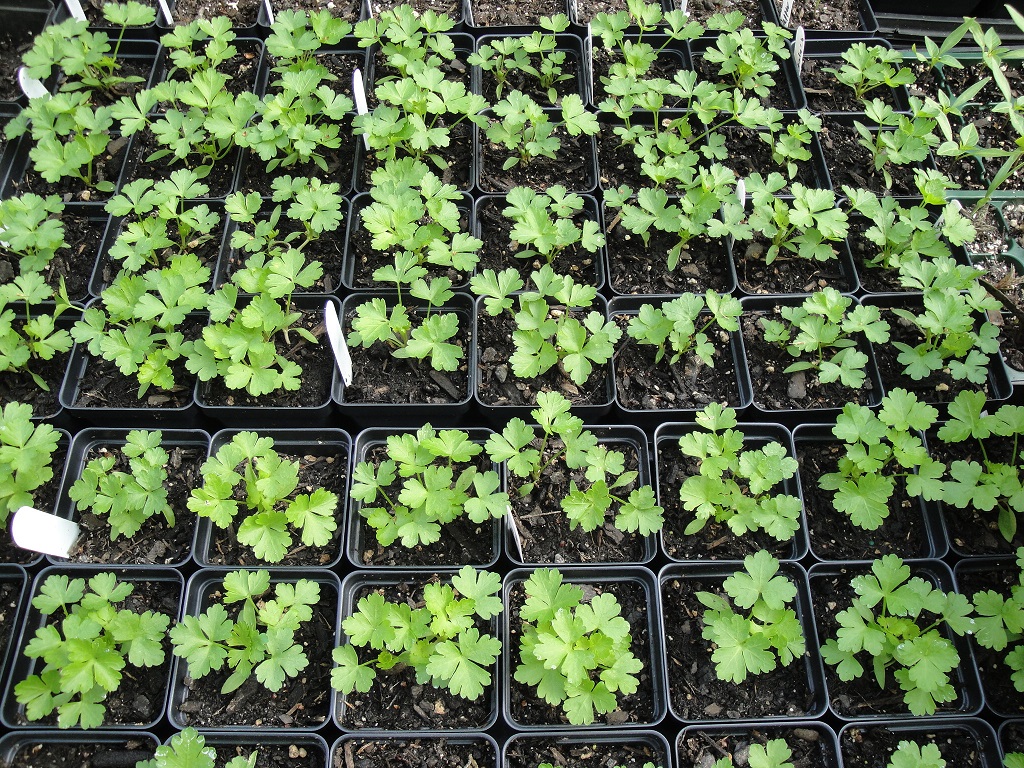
x=414, y=753
x=588, y=9
x=573, y=166
x=500, y=251
x=141, y=68
x=104, y=386
x=927, y=81
x=1002, y=276
x=991, y=237
x=749, y=153
x=775, y=390
x=872, y=279
x=254, y=176
x=74, y=263
x=156, y=543
x=959, y=80
x=452, y=8
x=44, y=498
x=715, y=541
x=528, y=709
x=964, y=171
x=528, y=84
x=219, y=178
x=396, y=701
x=836, y=15
x=19, y=386
x=1012, y=738
x=315, y=471
x=240, y=69
x=1000, y=692
x=617, y=163
x=544, y=528
x=206, y=248
x=454, y=70
x=850, y=163
x=302, y=702
x=107, y=167
x=861, y=697
x=809, y=746
x=488, y=13
x=787, y=274
x=642, y=268
x=702, y=10
x=826, y=94
x=379, y=377
x=349, y=10
x=872, y=746
x=140, y=697
x=456, y=158
x=779, y=95
x=530, y=752
x=498, y=385
x=316, y=361
x=300, y=755
x=243, y=13
x=462, y=541
x=665, y=65
x=996, y=132
x=76, y=754
x=695, y=690
x=13, y=44
x=10, y=594
x=643, y=384
x=833, y=536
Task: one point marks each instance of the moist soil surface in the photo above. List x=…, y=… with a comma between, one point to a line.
x=835, y=15
x=487, y=13
x=695, y=690
x=642, y=268
x=572, y=167
x=517, y=80
x=702, y=10
x=544, y=528
x=641, y=384
x=462, y=541
x=665, y=65
x=156, y=543
x=867, y=747
x=240, y=69
x=959, y=80
x=243, y=13
x=299, y=755
x=778, y=391
x=861, y=697
x=457, y=159
x=140, y=698
x=991, y=239
x=715, y=541
x=810, y=747
x=396, y=701
x=414, y=753
x=74, y=754
x=218, y=179
x=302, y=702
x=833, y=536
x=788, y=274
x=315, y=471
x=873, y=279
x=13, y=44
x=636, y=708
x=453, y=8
x=498, y=385
x=850, y=163
x=826, y=94
x=529, y=752
x=10, y=594
x=255, y=177
x=45, y=498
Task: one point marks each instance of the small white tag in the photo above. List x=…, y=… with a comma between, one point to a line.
x=75, y=8
x=30, y=86
x=338, y=344
x=786, y=12
x=799, y=41
x=42, y=532
x=588, y=56
x=741, y=192
x=510, y=520
x=165, y=11
x=270, y=12
x=359, y=96
x=574, y=10
x=683, y=8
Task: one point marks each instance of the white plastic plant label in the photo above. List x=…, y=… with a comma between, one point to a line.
x=574, y=10
x=786, y=12
x=510, y=520
x=30, y=86
x=341, y=356
x=270, y=12
x=941, y=221
x=799, y=43
x=588, y=55
x=42, y=532
x=75, y=9
x=741, y=192
x=165, y=11
x=359, y=96
x=683, y=7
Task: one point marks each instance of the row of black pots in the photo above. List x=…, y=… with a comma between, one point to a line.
x=677, y=684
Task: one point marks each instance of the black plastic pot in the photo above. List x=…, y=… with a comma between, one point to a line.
x=445, y=410
x=786, y=76
x=452, y=715
x=924, y=532
x=360, y=545
x=520, y=26
x=867, y=24
x=632, y=747
x=826, y=52
x=744, y=167
x=472, y=750
x=202, y=587
x=14, y=583
x=838, y=272
x=89, y=441
x=98, y=748
x=569, y=44
x=1011, y=736
x=647, y=646
x=297, y=748
x=879, y=705
x=959, y=738
x=672, y=56
x=755, y=435
x=144, y=32
x=12, y=714
x=323, y=442
x=812, y=743
x=22, y=178
x=23, y=20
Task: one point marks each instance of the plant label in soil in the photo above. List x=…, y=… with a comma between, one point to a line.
x=42, y=532
x=166, y=11
x=741, y=192
x=785, y=12
x=359, y=97
x=574, y=9
x=270, y=12
x=75, y=9
x=683, y=8
x=510, y=519
x=588, y=53
x=799, y=41
x=957, y=206
x=337, y=339
x=30, y=86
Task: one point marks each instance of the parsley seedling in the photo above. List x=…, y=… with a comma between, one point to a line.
x=867, y=68
x=910, y=754
x=680, y=327
x=545, y=223
x=187, y=749
x=527, y=131
x=33, y=337
x=26, y=457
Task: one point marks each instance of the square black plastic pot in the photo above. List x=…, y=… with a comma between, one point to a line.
x=1011, y=736
x=961, y=738
x=867, y=24
x=888, y=704
x=809, y=665
x=142, y=32
x=201, y=588
x=427, y=748
x=23, y=20
x=296, y=441
x=91, y=439
x=98, y=747
x=363, y=551
x=296, y=748
x=569, y=44
x=650, y=419
x=450, y=712
x=12, y=714
x=786, y=75
x=838, y=272
x=244, y=30
x=626, y=747
x=647, y=646
x=925, y=536
x=828, y=52
x=812, y=743
x=399, y=414
x=22, y=178
x=672, y=55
